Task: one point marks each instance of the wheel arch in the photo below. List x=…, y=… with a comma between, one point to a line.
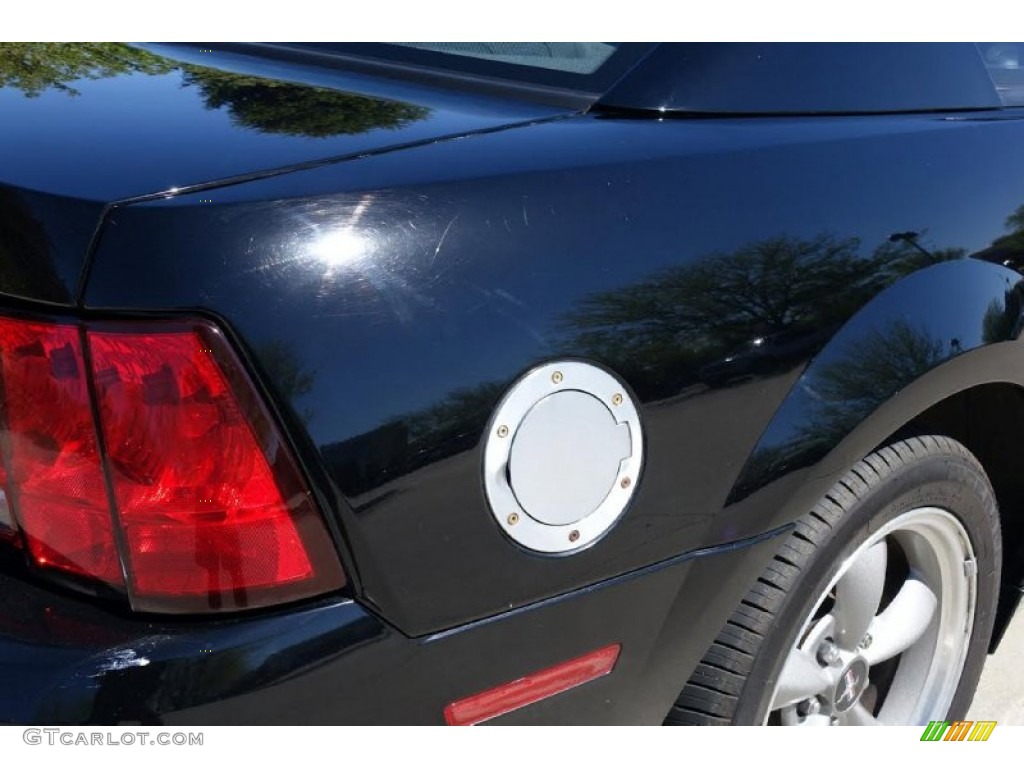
x=987, y=420
x=938, y=352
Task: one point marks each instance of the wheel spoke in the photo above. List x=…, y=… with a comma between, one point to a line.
x=903, y=623
x=858, y=715
x=858, y=594
x=801, y=678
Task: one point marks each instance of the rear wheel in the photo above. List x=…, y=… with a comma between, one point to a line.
x=878, y=608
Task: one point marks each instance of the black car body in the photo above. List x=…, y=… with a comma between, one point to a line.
x=857, y=206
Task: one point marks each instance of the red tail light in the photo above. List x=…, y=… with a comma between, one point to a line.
x=54, y=477
x=206, y=508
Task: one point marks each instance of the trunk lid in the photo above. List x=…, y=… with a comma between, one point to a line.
x=85, y=125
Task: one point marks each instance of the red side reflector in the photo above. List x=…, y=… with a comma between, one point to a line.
x=532, y=688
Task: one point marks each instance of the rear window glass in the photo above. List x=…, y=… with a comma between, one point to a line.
x=580, y=58
x=1005, y=62
x=586, y=67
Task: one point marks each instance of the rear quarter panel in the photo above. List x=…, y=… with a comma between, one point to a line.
x=388, y=301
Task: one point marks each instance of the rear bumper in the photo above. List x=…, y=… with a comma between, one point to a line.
x=334, y=662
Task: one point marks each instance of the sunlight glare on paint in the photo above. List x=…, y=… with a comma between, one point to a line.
x=339, y=247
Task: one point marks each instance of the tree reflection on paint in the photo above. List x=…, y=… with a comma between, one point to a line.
x=257, y=103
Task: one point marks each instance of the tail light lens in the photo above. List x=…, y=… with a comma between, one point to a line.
x=53, y=460
x=196, y=503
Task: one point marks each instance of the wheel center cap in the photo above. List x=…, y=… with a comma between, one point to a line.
x=852, y=682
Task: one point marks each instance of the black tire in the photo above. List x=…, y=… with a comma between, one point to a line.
x=735, y=681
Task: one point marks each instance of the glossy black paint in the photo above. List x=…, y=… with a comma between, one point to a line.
x=895, y=341
x=781, y=293
x=806, y=78
x=332, y=662
x=43, y=242
x=407, y=303
x=105, y=121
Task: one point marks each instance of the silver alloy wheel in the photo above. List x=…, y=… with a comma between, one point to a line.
x=853, y=664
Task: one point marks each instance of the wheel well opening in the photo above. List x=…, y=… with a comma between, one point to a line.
x=989, y=421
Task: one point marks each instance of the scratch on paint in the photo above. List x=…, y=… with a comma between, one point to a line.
x=526, y=221
x=121, y=660
x=508, y=297
x=440, y=242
